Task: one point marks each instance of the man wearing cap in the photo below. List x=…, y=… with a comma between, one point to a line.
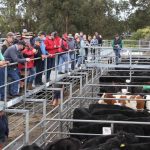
x=8, y=42
x=13, y=55
x=41, y=35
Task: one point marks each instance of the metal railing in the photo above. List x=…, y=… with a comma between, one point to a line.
x=79, y=83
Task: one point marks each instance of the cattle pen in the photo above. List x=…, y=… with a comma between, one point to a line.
x=32, y=119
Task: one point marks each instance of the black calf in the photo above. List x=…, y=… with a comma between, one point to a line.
x=31, y=147
x=64, y=144
x=92, y=107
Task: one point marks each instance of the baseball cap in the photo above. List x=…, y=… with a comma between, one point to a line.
x=41, y=33
x=38, y=40
x=21, y=42
x=70, y=36
x=10, y=34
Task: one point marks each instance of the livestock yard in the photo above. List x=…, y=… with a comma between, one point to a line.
x=101, y=103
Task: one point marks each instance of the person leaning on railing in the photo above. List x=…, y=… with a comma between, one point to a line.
x=13, y=55
x=28, y=52
x=39, y=62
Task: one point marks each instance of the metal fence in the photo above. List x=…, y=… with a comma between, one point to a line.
x=31, y=116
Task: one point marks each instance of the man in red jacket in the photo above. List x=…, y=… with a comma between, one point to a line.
x=52, y=50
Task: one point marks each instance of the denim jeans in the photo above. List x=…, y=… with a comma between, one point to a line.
x=2, y=81
x=50, y=65
x=39, y=69
x=13, y=73
x=81, y=59
x=63, y=58
x=117, y=55
x=72, y=59
x=32, y=74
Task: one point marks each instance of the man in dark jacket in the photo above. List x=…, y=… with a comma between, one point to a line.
x=39, y=63
x=117, y=46
x=8, y=42
x=99, y=38
x=13, y=55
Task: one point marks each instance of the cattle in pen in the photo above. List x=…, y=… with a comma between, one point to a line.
x=133, y=101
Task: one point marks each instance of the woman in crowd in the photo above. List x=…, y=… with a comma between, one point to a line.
x=28, y=52
x=82, y=52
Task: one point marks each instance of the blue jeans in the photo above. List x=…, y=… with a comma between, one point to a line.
x=117, y=55
x=72, y=59
x=50, y=65
x=80, y=60
x=2, y=81
x=63, y=58
x=32, y=74
x=13, y=73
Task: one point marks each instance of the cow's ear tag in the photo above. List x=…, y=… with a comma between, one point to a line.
x=122, y=145
x=106, y=130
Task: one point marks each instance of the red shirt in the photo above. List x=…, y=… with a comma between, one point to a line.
x=27, y=53
x=50, y=46
x=64, y=44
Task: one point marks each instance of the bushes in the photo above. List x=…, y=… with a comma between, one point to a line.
x=142, y=34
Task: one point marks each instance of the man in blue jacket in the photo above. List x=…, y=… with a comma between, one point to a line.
x=13, y=55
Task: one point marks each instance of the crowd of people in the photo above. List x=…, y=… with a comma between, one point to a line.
x=35, y=54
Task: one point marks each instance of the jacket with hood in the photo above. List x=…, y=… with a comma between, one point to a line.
x=50, y=46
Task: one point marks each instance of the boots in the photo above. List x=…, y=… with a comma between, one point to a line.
x=21, y=92
x=29, y=86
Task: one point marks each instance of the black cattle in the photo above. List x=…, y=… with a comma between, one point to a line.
x=109, y=89
x=128, y=113
x=64, y=144
x=92, y=107
x=94, y=128
x=129, y=128
x=111, y=79
x=119, y=142
x=80, y=113
x=111, y=142
x=138, y=146
x=96, y=141
x=116, y=117
x=97, y=129
x=31, y=147
x=142, y=119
